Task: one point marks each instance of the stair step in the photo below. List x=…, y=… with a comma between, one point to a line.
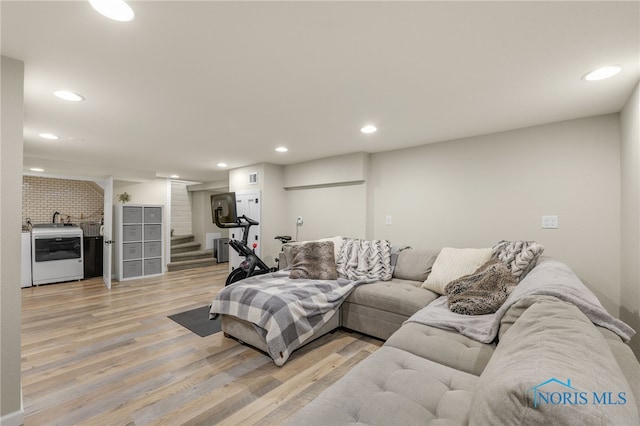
x=181, y=239
x=189, y=264
x=194, y=254
x=184, y=247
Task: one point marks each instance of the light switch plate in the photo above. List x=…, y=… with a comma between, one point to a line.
x=550, y=222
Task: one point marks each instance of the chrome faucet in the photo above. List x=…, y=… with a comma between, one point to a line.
x=54, y=217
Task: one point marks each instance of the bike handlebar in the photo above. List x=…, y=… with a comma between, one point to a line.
x=248, y=221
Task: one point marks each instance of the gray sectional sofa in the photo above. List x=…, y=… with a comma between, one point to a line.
x=551, y=364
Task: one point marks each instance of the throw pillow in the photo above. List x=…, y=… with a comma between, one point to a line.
x=337, y=244
x=519, y=256
x=482, y=292
x=288, y=254
x=414, y=264
x=313, y=261
x=453, y=263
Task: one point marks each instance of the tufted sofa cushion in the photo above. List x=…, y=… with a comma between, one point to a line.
x=393, y=387
x=402, y=297
x=443, y=346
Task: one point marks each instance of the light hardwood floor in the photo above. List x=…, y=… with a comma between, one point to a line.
x=98, y=357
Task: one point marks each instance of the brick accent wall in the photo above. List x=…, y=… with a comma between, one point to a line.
x=41, y=197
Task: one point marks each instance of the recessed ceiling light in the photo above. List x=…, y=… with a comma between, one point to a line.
x=602, y=73
x=36, y=169
x=369, y=129
x=68, y=96
x=174, y=176
x=282, y=149
x=48, y=136
x=117, y=10
x=222, y=164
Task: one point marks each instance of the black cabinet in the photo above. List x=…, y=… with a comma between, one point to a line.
x=92, y=257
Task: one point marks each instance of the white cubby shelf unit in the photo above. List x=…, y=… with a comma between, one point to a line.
x=138, y=241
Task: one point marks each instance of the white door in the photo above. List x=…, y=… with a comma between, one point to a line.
x=107, y=231
x=247, y=204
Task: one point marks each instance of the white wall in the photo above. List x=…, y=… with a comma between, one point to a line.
x=12, y=78
x=330, y=171
x=327, y=211
x=274, y=220
x=329, y=194
x=239, y=178
x=476, y=191
x=630, y=217
x=181, y=214
x=151, y=192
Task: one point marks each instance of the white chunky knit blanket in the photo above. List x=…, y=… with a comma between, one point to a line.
x=519, y=256
x=364, y=260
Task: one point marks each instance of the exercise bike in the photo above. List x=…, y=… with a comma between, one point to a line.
x=252, y=265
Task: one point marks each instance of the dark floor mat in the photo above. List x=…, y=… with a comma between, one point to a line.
x=197, y=320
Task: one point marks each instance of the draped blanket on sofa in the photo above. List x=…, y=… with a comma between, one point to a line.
x=549, y=278
x=364, y=260
x=287, y=312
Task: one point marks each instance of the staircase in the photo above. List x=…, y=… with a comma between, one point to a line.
x=187, y=254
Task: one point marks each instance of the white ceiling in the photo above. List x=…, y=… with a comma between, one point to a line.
x=186, y=85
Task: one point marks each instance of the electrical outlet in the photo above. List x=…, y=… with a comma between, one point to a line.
x=550, y=222
x=388, y=220
x=299, y=221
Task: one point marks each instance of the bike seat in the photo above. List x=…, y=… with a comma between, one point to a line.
x=283, y=238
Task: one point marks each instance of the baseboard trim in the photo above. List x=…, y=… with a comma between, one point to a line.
x=13, y=419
